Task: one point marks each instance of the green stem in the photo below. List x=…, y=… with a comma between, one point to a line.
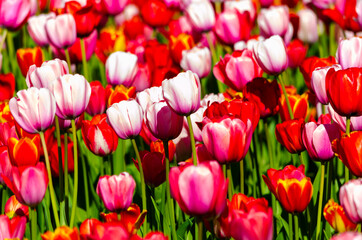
x=68, y=60
x=33, y=224
x=59, y=143
x=85, y=179
x=143, y=185
x=290, y=225
x=75, y=188
x=51, y=188
x=332, y=42
x=320, y=201
x=199, y=230
x=12, y=56
x=169, y=201
x=230, y=185
x=348, y=130
x=242, y=173
x=3, y=37
x=301, y=158
x=84, y=60
x=66, y=180
x=269, y=144
x=3, y=198
x=41, y=218
x=214, y=58
x=296, y=227
x=286, y=98
x=192, y=138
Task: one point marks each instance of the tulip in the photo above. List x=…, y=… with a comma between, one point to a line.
x=318, y=82
x=120, y=93
x=348, y=235
x=318, y=139
x=149, y=96
x=61, y=31
x=13, y=208
x=308, y=26
x=350, y=199
x=111, y=7
x=52, y=146
x=94, y=229
x=97, y=100
x=348, y=149
x=125, y=118
x=62, y=232
x=201, y=15
x=71, y=93
x=299, y=105
x=232, y=25
x=98, y=136
x=182, y=93
x=116, y=192
x=344, y=91
x=142, y=79
x=28, y=194
x=336, y=217
x=349, y=53
x=5, y=114
x=34, y=109
x=110, y=40
x=14, y=13
x=162, y=121
x=355, y=124
x=237, y=70
x=177, y=45
x=27, y=57
x=14, y=228
x=36, y=28
x=7, y=86
x=156, y=14
x=289, y=134
x=279, y=27
x=296, y=52
x=242, y=6
x=121, y=68
x=24, y=152
x=5, y=164
x=155, y=236
x=7, y=130
x=44, y=76
x=271, y=55
x=199, y=190
x=311, y=63
x=291, y=187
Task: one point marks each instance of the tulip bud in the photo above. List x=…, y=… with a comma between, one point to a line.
x=289, y=134
x=24, y=152
x=121, y=68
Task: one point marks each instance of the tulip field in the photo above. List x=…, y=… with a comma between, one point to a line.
x=181, y=119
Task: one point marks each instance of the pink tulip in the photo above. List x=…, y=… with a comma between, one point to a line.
x=349, y=53
x=182, y=93
x=356, y=122
x=321, y=4
x=350, y=197
x=201, y=15
x=149, y=96
x=14, y=13
x=44, y=76
x=34, y=109
x=5, y=164
x=121, y=68
x=28, y=194
x=72, y=94
x=318, y=82
x=197, y=60
x=318, y=139
x=7, y=130
x=111, y=7
x=308, y=26
x=12, y=228
x=271, y=55
x=242, y=6
x=273, y=21
x=163, y=122
x=116, y=192
x=232, y=26
x=236, y=137
x=61, y=31
x=97, y=100
x=36, y=28
x=210, y=98
x=126, y=118
x=238, y=69
x=142, y=78
x=348, y=235
x=199, y=190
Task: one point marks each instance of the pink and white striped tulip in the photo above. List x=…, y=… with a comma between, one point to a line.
x=36, y=28
x=201, y=15
x=277, y=26
x=349, y=53
x=197, y=60
x=350, y=197
x=121, y=68
x=61, y=31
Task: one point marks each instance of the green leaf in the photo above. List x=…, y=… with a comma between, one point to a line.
x=185, y=227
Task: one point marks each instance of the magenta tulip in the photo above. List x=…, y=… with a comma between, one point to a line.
x=116, y=192
x=36, y=28
x=5, y=165
x=61, y=31
x=97, y=101
x=199, y=190
x=271, y=55
x=197, y=60
x=44, y=76
x=163, y=122
x=121, y=68
x=34, y=109
x=350, y=197
x=12, y=228
x=182, y=93
x=28, y=194
x=273, y=21
x=14, y=13
x=111, y=7
x=318, y=139
x=201, y=15
x=72, y=93
x=126, y=118
x=349, y=53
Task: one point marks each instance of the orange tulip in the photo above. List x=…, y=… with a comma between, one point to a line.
x=24, y=152
x=27, y=57
x=62, y=233
x=120, y=93
x=180, y=43
x=299, y=105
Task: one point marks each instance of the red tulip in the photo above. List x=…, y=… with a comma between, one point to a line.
x=97, y=101
x=155, y=13
x=296, y=52
x=120, y=93
x=7, y=86
x=178, y=44
x=336, y=217
x=14, y=208
x=289, y=134
x=63, y=232
x=5, y=164
x=109, y=40
x=299, y=105
x=24, y=152
x=27, y=57
x=54, y=157
x=12, y=229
